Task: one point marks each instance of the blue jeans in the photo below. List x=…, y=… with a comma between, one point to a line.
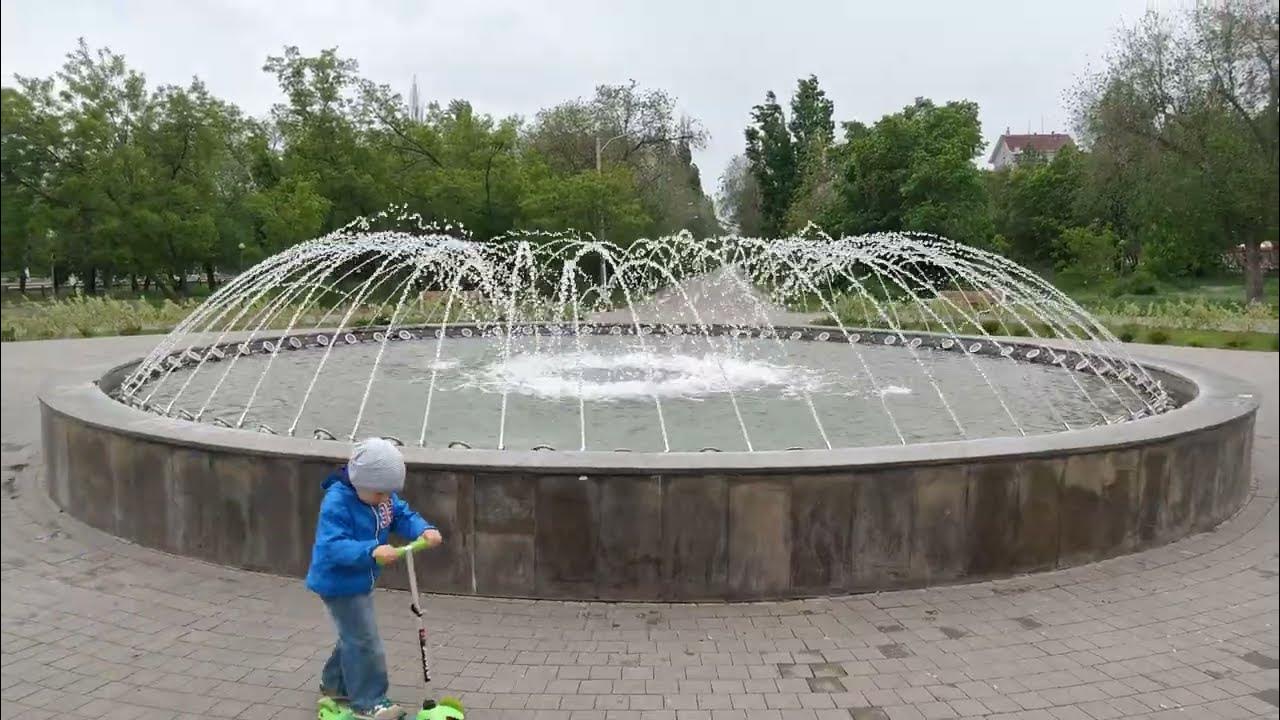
x=357, y=668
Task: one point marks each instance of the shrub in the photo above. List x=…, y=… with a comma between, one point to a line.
x=1088, y=256
x=1139, y=282
x=1157, y=337
x=992, y=327
x=1128, y=334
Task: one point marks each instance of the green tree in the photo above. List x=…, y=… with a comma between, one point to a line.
x=738, y=199
x=914, y=171
x=812, y=129
x=1196, y=96
x=772, y=156
x=323, y=135
x=1032, y=203
x=642, y=130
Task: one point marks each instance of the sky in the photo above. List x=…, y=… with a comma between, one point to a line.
x=1016, y=58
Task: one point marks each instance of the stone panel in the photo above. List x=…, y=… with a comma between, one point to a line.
x=444, y=500
x=992, y=516
x=567, y=521
x=880, y=539
x=54, y=435
x=504, y=503
x=188, y=468
x=1038, y=516
x=1099, y=507
x=1204, y=455
x=695, y=536
x=821, y=517
x=759, y=537
x=504, y=564
x=939, y=539
x=1156, y=489
x=142, y=504
x=1229, y=462
x=1242, y=484
x=630, y=548
x=92, y=487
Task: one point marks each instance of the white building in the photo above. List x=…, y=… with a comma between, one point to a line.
x=1009, y=148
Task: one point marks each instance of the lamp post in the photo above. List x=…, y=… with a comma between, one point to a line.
x=600, y=214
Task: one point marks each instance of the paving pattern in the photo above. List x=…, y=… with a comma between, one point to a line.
x=96, y=628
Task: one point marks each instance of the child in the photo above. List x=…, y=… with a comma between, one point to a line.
x=359, y=510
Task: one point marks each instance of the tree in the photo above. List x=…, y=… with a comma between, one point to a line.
x=324, y=137
x=578, y=201
x=914, y=171
x=1033, y=202
x=1198, y=91
x=739, y=198
x=772, y=156
x=811, y=126
x=640, y=129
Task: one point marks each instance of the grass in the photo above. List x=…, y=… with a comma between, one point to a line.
x=103, y=316
x=1197, y=315
x=1200, y=338
x=1225, y=292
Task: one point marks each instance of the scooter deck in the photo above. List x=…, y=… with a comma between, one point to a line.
x=330, y=709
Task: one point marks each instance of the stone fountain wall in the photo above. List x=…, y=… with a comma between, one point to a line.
x=675, y=527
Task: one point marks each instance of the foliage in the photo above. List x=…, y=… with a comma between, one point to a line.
x=1033, y=203
x=772, y=157
x=103, y=177
x=1088, y=256
x=1184, y=123
x=914, y=171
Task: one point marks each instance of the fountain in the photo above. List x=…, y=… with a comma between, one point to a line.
x=679, y=419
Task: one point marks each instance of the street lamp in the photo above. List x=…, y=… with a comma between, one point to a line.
x=600, y=216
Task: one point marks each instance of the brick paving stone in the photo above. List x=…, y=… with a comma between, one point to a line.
x=96, y=628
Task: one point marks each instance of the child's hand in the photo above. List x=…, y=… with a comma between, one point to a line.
x=385, y=554
x=433, y=537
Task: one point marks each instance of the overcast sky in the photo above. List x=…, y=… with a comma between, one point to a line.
x=1016, y=58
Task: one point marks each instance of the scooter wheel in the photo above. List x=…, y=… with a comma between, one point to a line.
x=330, y=709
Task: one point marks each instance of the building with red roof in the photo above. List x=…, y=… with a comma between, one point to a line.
x=1010, y=148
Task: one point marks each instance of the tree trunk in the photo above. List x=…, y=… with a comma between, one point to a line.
x=208, y=273
x=22, y=282
x=1253, y=281
x=133, y=282
x=57, y=280
x=146, y=284
x=90, y=280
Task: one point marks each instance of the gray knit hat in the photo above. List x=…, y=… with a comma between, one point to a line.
x=376, y=464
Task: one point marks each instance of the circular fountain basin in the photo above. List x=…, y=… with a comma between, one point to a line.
x=667, y=389
x=954, y=501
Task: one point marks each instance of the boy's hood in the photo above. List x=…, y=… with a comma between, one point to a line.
x=338, y=477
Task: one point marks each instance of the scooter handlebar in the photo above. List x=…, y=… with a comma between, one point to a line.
x=415, y=546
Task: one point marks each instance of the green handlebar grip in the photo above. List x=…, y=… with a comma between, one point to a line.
x=415, y=546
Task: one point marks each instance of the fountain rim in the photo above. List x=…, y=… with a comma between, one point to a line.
x=1209, y=399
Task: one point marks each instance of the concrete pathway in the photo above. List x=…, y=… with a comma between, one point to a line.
x=96, y=628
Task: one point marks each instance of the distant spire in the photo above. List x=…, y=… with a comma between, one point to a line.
x=415, y=102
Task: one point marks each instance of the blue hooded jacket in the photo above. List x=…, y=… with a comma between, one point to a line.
x=347, y=532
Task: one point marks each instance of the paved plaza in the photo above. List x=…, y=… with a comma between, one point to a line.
x=97, y=628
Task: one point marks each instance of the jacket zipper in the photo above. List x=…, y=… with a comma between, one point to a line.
x=372, y=579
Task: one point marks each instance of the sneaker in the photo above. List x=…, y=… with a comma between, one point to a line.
x=333, y=694
x=382, y=711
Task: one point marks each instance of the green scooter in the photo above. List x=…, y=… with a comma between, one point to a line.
x=446, y=708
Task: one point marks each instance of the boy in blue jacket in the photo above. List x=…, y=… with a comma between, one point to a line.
x=359, y=510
